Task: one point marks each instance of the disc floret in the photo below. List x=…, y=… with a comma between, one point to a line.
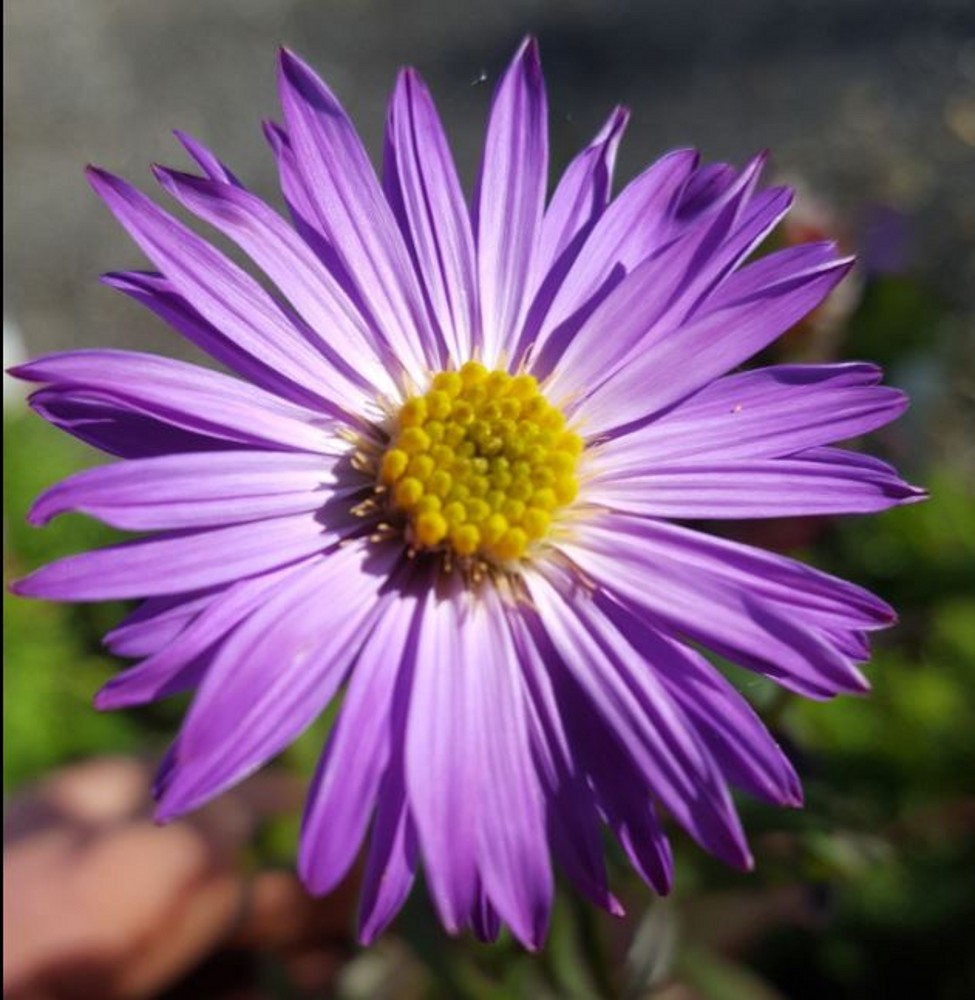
x=479, y=464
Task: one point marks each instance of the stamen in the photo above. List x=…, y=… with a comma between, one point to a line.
x=479, y=465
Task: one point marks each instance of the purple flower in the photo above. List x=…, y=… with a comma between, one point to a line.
x=450, y=475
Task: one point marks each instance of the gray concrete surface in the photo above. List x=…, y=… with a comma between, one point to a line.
x=871, y=101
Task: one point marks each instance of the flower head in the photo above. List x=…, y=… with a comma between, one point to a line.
x=449, y=475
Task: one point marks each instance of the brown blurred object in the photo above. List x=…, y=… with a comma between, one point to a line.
x=99, y=902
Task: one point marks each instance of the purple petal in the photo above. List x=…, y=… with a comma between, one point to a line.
x=669, y=367
x=191, y=398
x=153, y=291
x=738, y=741
x=742, y=224
x=764, y=413
x=179, y=562
x=634, y=224
x=819, y=594
x=115, y=429
x=764, y=612
x=580, y=197
x=755, y=488
x=619, y=789
x=792, y=263
x=179, y=664
x=855, y=461
x=353, y=214
x=686, y=261
x=146, y=682
x=301, y=207
x=576, y=208
x=275, y=673
x=705, y=188
x=510, y=200
x=393, y=853
x=421, y=184
x=206, y=160
x=654, y=731
x=512, y=843
x=485, y=921
x=441, y=762
x=355, y=759
x=574, y=823
x=651, y=302
x=155, y=623
x=360, y=365
x=225, y=295
x=193, y=491
x=637, y=827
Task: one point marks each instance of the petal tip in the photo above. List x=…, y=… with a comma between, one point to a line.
x=366, y=936
x=40, y=513
x=529, y=57
x=274, y=136
x=306, y=873
x=915, y=494
x=290, y=67
x=21, y=371
x=409, y=88
x=618, y=120
x=99, y=177
x=109, y=187
x=297, y=72
x=299, y=82
x=35, y=584
x=165, y=814
x=114, y=279
x=175, y=182
x=106, y=699
x=175, y=795
x=317, y=878
x=187, y=142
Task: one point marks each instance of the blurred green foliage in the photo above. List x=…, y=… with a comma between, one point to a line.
x=867, y=892
x=52, y=659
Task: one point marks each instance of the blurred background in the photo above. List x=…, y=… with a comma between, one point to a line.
x=868, y=107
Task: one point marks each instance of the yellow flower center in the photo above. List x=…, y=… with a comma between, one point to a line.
x=479, y=464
